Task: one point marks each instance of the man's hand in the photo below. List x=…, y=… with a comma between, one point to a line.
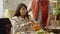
x=50, y=17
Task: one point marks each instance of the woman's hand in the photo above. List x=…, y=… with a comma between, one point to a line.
x=29, y=23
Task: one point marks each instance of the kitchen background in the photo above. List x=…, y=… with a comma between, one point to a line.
x=7, y=9
x=9, y=5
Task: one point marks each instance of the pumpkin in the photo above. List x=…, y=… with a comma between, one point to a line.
x=35, y=26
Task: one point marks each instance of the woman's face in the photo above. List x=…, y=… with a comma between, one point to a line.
x=23, y=10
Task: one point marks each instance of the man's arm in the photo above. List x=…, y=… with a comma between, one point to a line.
x=50, y=14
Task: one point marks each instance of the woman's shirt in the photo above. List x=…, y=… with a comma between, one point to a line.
x=17, y=22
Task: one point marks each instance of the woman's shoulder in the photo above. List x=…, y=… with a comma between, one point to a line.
x=15, y=17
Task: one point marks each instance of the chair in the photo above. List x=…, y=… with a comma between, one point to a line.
x=5, y=26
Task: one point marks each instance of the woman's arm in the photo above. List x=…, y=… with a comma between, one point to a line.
x=14, y=26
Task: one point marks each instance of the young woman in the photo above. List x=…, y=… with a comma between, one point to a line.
x=21, y=20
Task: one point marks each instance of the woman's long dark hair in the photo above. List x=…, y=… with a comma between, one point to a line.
x=18, y=10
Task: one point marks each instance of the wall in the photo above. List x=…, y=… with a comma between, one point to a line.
x=1, y=8
x=12, y=4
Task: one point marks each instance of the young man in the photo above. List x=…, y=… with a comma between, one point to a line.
x=41, y=11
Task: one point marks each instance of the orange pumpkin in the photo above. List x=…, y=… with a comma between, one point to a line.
x=35, y=26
